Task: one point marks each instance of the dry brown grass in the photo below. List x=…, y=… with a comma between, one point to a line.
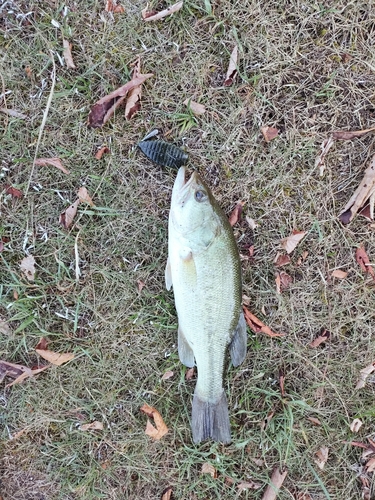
x=294, y=75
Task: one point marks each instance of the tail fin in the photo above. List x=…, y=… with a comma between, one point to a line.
x=210, y=420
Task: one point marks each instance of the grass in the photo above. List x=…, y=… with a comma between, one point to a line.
x=294, y=74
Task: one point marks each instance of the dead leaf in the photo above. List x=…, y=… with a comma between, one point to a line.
x=356, y=425
x=248, y=485
x=232, y=68
x=167, y=375
x=42, y=344
x=362, y=258
x=266, y=422
x=283, y=280
x=190, y=373
x=370, y=466
x=161, y=428
x=196, y=108
x=18, y=372
x=14, y=192
x=282, y=382
x=276, y=482
x=314, y=420
x=55, y=358
x=338, y=273
x=67, y=217
x=209, y=469
x=325, y=147
x=323, y=336
x=155, y=16
x=281, y=260
x=103, y=109
x=365, y=191
x=321, y=457
x=251, y=222
x=235, y=216
x=84, y=196
x=290, y=243
x=68, y=54
x=13, y=113
x=93, y=426
x=111, y=6
x=363, y=374
x=258, y=326
x=269, y=133
x=133, y=102
x=103, y=150
x=140, y=285
x=167, y=494
x=4, y=327
x=347, y=135
x=54, y=162
x=28, y=267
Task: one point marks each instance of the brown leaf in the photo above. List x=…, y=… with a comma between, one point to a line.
x=133, y=102
x=190, y=373
x=28, y=267
x=209, y=469
x=42, y=344
x=68, y=54
x=232, y=68
x=282, y=382
x=347, y=135
x=54, y=162
x=93, y=426
x=103, y=150
x=283, y=280
x=248, y=485
x=266, y=422
x=321, y=457
x=290, y=243
x=164, y=13
x=111, y=6
x=103, y=109
x=4, y=327
x=356, y=425
x=235, y=216
x=140, y=285
x=361, y=195
x=325, y=147
x=67, y=217
x=55, y=358
x=84, y=196
x=338, y=273
x=257, y=326
x=276, y=482
x=167, y=493
x=370, y=466
x=167, y=375
x=196, y=108
x=281, y=260
x=362, y=258
x=251, y=222
x=365, y=212
x=314, y=420
x=269, y=133
x=323, y=336
x=161, y=428
x=13, y=113
x=363, y=374
x=14, y=192
x=18, y=372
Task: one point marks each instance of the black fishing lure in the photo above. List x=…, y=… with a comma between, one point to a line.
x=163, y=153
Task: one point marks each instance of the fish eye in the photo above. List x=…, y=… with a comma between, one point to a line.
x=200, y=195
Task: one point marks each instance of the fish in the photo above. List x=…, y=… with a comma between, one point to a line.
x=204, y=269
x=163, y=153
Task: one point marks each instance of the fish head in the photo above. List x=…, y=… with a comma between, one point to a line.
x=193, y=208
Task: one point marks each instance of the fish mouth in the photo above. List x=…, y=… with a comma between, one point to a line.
x=182, y=186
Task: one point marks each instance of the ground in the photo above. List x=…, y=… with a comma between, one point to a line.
x=305, y=68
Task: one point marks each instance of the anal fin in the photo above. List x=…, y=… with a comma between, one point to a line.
x=238, y=346
x=185, y=352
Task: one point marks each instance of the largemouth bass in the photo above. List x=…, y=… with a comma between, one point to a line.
x=205, y=271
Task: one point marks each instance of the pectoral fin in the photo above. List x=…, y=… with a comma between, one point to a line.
x=238, y=346
x=185, y=352
x=168, y=275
